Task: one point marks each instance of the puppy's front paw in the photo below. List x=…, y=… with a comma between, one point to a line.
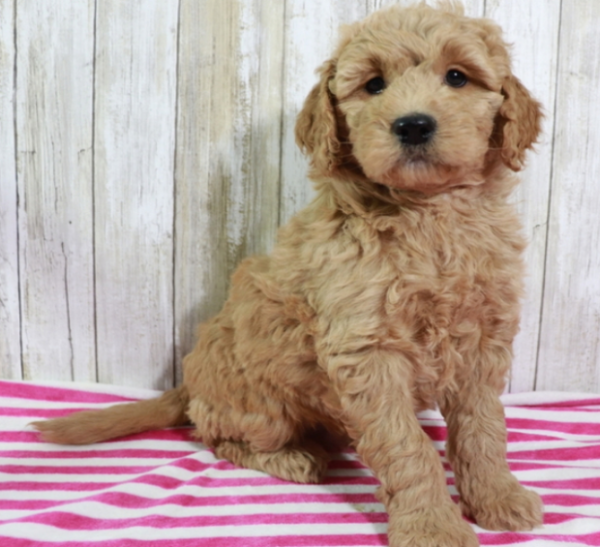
x=506, y=506
x=434, y=527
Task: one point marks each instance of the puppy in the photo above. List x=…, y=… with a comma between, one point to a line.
x=397, y=289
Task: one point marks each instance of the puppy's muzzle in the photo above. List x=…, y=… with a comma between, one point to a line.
x=415, y=129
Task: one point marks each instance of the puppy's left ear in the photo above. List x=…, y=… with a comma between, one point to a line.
x=316, y=125
x=518, y=123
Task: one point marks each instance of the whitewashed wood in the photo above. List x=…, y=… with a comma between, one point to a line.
x=473, y=8
x=54, y=139
x=10, y=321
x=229, y=128
x=311, y=30
x=532, y=29
x=136, y=68
x=569, y=357
x=226, y=164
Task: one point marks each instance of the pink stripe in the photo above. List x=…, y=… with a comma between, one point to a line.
x=591, y=483
x=554, y=467
x=570, y=500
x=580, y=453
x=71, y=521
x=189, y=464
x=38, y=392
x=179, y=434
x=502, y=538
x=123, y=453
x=560, y=405
x=575, y=428
x=171, y=483
x=510, y=538
x=260, y=541
x=39, y=412
x=134, y=501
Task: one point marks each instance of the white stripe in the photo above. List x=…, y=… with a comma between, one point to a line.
x=93, y=509
x=40, y=532
x=105, y=389
x=523, y=446
x=23, y=423
x=544, y=398
x=543, y=491
x=40, y=404
x=203, y=455
x=557, y=416
x=591, y=510
x=163, y=471
x=557, y=474
x=147, y=444
x=545, y=542
x=153, y=492
x=103, y=511
x=559, y=434
x=558, y=464
x=97, y=462
x=578, y=526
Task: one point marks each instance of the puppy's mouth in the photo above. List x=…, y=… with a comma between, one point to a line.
x=419, y=169
x=416, y=158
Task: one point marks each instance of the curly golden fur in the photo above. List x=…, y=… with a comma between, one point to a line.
x=397, y=289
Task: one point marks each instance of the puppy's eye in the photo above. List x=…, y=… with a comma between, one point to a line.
x=375, y=85
x=455, y=78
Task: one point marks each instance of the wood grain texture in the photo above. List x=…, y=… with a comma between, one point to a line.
x=54, y=120
x=311, y=29
x=473, y=8
x=533, y=32
x=135, y=83
x=229, y=127
x=10, y=320
x=569, y=357
x=140, y=176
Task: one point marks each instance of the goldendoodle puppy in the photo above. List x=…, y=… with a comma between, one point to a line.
x=397, y=289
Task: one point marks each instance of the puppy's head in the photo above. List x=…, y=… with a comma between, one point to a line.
x=418, y=98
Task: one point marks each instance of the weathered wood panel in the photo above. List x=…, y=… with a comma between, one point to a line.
x=54, y=142
x=229, y=126
x=10, y=321
x=310, y=37
x=569, y=357
x=533, y=31
x=154, y=150
x=135, y=96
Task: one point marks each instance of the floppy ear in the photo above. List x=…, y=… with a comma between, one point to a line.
x=518, y=123
x=316, y=125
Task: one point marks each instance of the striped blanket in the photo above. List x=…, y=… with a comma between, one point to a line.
x=162, y=489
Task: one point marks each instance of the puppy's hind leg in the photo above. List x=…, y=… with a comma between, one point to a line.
x=304, y=464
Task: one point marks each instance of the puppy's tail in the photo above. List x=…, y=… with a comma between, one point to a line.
x=92, y=426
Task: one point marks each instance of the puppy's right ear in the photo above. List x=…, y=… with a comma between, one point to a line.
x=316, y=125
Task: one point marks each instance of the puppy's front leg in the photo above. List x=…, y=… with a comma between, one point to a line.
x=373, y=386
x=476, y=449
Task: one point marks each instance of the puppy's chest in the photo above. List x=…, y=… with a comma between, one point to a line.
x=450, y=285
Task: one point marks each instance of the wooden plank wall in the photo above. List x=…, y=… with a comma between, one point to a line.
x=147, y=147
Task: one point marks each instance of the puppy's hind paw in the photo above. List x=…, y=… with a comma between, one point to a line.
x=303, y=465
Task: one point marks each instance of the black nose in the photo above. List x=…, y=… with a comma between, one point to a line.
x=414, y=129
